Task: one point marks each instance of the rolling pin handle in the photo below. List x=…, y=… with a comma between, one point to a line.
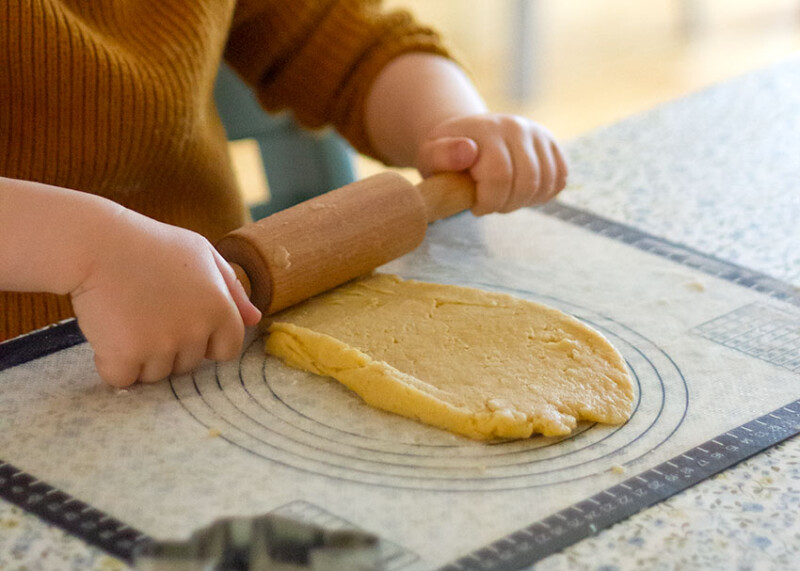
x=241, y=275
x=447, y=194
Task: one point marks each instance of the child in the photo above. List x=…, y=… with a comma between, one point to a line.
x=115, y=174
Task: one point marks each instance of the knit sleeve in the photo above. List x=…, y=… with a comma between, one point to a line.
x=319, y=58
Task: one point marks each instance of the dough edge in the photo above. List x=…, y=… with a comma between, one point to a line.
x=386, y=388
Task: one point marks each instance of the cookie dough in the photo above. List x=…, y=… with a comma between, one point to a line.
x=481, y=364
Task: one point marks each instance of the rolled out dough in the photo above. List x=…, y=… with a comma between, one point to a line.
x=482, y=364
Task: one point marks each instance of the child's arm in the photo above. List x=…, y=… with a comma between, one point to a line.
x=423, y=111
x=151, y=299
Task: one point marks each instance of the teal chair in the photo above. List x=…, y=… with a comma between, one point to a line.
x=300, y=164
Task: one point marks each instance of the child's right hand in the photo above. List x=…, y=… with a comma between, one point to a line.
x=157, y=300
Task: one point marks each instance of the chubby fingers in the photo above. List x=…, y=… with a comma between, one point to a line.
x=493, y=174
x=561, y=167
x=514, y=162
x=150, y=364
x=446, y=154
x=153, y=364
x=187, y=331
x=521, y=165
x=117, y=372
x=535, y=174
x=250, y=313
x=122, y=372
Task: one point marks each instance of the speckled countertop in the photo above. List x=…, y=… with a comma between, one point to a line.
x=718, y=171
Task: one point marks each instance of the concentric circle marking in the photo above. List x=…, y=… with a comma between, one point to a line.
x=316, y=425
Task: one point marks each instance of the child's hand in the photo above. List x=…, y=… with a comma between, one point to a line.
x=157, y=301
x=515, y=162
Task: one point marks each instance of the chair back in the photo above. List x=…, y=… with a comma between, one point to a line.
x=299, y=163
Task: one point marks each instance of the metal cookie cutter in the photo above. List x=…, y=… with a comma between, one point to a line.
x=265, y=543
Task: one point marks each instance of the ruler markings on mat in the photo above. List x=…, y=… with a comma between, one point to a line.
x=602, y=510
x=68, y=513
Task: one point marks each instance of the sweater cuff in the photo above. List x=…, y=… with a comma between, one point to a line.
x=397, y=35
x=325, y=72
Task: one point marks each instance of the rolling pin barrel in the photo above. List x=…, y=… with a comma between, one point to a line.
x=324, y=242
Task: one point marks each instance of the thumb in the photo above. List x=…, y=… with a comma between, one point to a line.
x=446, y=154
x=249, y=312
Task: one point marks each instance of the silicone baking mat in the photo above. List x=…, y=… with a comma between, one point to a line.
x=714, y=350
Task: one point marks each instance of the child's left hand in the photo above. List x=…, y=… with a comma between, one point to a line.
x=515, y=162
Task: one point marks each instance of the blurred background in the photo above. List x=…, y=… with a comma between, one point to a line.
x=574, y=65
x=577, y=64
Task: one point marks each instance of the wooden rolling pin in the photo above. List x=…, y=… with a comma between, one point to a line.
x=324, y=242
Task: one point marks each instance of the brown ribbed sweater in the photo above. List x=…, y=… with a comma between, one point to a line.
x=116, y=98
